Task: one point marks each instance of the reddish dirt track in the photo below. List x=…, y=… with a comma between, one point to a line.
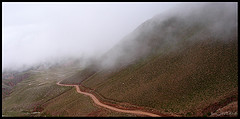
x=138, y=112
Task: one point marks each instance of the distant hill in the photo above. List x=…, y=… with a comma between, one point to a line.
x=9, y=80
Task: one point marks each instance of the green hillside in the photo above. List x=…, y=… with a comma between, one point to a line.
x=73, y=104
x=185, y=65
x=40, y=96
x=182, y=82
x=28, y=95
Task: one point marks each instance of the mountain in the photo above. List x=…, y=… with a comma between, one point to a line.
x=180, y=63
x=175, y=63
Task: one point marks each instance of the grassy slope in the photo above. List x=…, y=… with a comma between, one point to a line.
x=39, y=93
x=31, y=93
x=78, y=77
x=182, y=82
x=188, y=80
x=73, y=104
x=8, y=84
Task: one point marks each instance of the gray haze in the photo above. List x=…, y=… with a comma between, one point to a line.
x=174, y=30
x=109, y=35
x=40, y=32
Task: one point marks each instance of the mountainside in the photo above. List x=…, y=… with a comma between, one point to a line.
x=182, y=81
x=185, y=63
x=172, y=32
x=9, y=80
x=38, y=95
x=181, y=63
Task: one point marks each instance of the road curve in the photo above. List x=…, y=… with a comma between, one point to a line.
x=107, y=106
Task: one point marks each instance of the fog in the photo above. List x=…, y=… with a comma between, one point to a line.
x=108, y=34
x=175, y=30
x=40, y=32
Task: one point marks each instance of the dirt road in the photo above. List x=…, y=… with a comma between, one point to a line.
x=110, y=107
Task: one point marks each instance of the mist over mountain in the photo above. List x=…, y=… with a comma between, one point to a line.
x=175, y=30
x=34, y=33
x=162, y=33
x=183, y=61
x=152, y=59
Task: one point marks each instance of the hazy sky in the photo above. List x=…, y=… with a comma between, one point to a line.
x=35, y=32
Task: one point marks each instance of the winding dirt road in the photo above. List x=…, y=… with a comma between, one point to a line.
x=107, y=106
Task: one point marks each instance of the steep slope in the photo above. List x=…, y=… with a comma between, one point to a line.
x=173, y=31
x=183, y=63
x=79, y=76
x=183, y=81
